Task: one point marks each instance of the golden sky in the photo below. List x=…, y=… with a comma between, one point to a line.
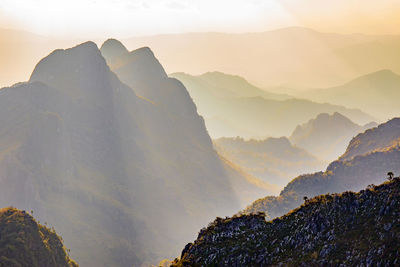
x=124, y=18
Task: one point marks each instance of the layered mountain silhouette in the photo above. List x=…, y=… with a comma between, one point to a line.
x=375, y=93
x=243, y=109
x=274, y=160
x=327, y=135
x=351, y=229
x=294, y=57
x=24, y=242
x=126, y=177
x=291, y=56
x=222, y=85
x=368, y=157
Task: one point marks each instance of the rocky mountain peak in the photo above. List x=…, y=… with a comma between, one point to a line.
x=73, y=70
x=112, y=49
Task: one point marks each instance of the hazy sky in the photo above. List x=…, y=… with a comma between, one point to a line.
x=123, y=18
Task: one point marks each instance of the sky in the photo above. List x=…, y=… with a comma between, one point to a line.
x=125, y=18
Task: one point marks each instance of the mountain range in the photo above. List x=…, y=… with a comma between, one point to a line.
x=274, y=160
x=375, y=93
x=120, y=163
x=229, y=111
x=368, y=157
x=327, y=135
x=293, y=56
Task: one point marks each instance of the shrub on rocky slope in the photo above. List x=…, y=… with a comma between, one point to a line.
x=24, y=242
x=347, y=229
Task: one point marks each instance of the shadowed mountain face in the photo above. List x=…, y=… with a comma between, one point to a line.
x=233, y=107
x=353, y=229
x=327, y=135
x=24, y=242
x=368, y=157
x=125, y=179
x=274, y=160
x=376, y=93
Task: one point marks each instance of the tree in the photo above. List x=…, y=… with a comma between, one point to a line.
x=305, y=198
x=390, y=176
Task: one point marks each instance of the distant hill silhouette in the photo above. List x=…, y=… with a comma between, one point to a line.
x=327, y=135
x=368, y=157
x=243, y=109
x=375, y=93
x=293, y=56
x=222, y=85
x=274, y=160
x=24, y=242
x=289, y=57
x=125, y=177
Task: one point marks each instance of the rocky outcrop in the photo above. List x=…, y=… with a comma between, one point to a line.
x=348, y=229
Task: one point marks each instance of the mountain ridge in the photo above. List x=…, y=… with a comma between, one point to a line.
x=351, y=173
x=349, y=228
x=327, y=135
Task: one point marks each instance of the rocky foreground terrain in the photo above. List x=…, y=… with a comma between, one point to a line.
x=348, y=229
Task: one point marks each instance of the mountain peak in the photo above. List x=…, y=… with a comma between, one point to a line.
x=72, y=69
x=112, y=49
x=376, y=78
x=135, y=67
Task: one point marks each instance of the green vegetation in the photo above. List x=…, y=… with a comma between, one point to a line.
x=25, y=243
x=350, y=228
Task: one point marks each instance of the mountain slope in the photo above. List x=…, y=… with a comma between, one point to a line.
x=24, y=242
x=351, y=228
x=356, y=170
x=375, y=93
x=250, y=114
x=222, y=85
x=114, y=172
x=327, y=135
x=144, y=74
x=274, y=160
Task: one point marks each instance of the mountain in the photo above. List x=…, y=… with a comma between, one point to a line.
x=274, y=160
x=327, y=135
x=242, y=110
x=351, y=229
x=112, y=167
x=375, y=93
x=222, y=85
x=289, y=57
x=24, y=242
x=368, y=157
x=294, y=56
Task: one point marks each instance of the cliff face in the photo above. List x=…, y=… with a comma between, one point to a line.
x=349, y=228
x=24, y=242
